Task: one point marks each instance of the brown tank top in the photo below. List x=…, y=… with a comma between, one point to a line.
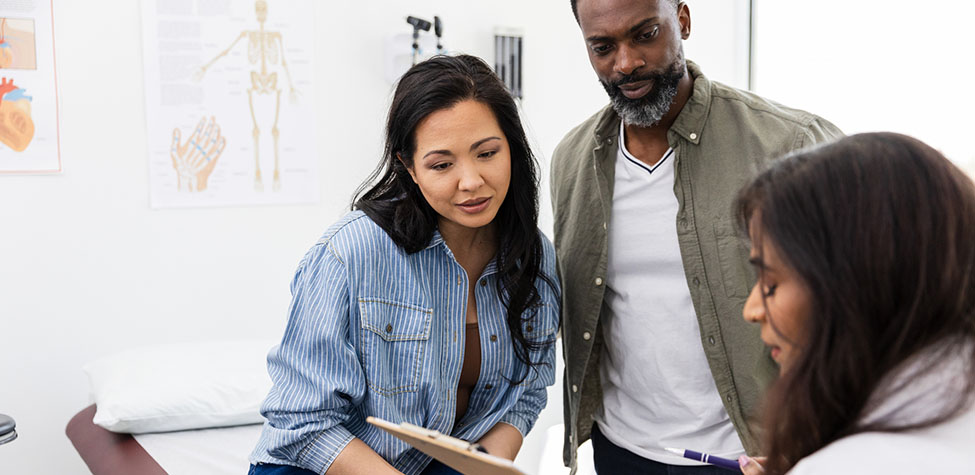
x=470, y=371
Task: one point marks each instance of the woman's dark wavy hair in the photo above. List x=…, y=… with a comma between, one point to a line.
x=391, y=198
x=881, y=229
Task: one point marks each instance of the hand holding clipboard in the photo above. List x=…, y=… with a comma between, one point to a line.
x=457, y=454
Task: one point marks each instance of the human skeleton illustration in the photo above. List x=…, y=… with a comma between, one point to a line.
x=264, y=48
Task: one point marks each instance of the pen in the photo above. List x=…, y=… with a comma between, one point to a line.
x=707, y=458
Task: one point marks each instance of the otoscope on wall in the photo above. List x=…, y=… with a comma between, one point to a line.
x=418, y=24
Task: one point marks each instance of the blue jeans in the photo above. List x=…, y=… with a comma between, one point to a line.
x=611, y=459
x=271, y=469
x=435, y=468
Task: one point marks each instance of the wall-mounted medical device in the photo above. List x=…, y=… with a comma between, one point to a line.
x=508, y=54
x=438, y=30
x=403, y=49
x=418, y=25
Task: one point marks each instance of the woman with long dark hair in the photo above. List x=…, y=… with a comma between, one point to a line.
x=865, y=253
x=434, y=302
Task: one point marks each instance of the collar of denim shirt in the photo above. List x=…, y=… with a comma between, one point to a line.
x=437, y=240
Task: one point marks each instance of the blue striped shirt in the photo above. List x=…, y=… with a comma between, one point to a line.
x=374, y=331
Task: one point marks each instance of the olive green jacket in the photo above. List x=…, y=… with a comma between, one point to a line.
x=721, y=139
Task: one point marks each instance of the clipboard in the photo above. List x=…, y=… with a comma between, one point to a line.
x=457, y=454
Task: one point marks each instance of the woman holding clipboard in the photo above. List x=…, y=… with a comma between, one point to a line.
x=434, y=303
x=865, y=255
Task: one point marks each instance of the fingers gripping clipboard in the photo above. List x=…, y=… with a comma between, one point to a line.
x=457, y=454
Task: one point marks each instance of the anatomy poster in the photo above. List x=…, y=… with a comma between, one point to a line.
x=230, y=102
x=28, y=88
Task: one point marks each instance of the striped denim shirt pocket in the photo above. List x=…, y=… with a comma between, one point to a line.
x=542, y=326
x=393, y=343
x=539, y=330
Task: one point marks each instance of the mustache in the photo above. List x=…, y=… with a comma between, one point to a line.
x=631, y=78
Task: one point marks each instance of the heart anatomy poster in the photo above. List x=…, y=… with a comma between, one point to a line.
x=29, y=135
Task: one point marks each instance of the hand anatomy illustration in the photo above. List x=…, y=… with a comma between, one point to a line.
x=264, y=48
x=16, y=124
x=195, y=159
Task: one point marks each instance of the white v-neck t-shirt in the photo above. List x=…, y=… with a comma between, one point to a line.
x=657, y=386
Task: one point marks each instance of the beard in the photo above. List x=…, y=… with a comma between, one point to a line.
x=649, y=109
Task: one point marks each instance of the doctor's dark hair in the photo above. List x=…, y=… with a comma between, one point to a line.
x=880, y=229
x=392, y=199
x=575, y=8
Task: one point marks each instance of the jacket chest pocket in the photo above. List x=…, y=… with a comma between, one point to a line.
x=393, y=341
x=736, y=273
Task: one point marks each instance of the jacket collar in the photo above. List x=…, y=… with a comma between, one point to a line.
x=920, y=388
x=689, y=123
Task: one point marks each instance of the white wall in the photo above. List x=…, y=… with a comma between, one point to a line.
x=86, y=268
x=870, y=65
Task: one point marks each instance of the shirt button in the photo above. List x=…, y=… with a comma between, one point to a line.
x=389, y=328
x=460, y=280
x=693, y=136
x=683, y=223
x=728, y=398
x=604, y=226
x=586, y=336
x=529, y=328
x=488, y=386
x=697, y=282
x=494, y=337
x=711, y=340
x=599, y=281
x=483, y=282
x=575, y=388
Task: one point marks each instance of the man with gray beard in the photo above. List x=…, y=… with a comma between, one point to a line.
x=653, y=270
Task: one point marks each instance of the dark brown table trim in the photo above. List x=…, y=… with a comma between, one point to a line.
x=106, y=452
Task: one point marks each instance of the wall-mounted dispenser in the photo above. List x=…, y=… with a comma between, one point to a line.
x=508, y=54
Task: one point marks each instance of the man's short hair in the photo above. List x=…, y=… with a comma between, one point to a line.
x=575, y=10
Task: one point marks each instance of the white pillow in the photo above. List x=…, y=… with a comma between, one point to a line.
x=180, y=386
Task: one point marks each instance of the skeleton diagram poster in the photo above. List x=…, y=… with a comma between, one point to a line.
x=230, y=102
x=28, y=88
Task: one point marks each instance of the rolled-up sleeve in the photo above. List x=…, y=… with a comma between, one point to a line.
x=317, y=378
x=524, y=412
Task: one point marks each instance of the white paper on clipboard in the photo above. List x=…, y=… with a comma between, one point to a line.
x=457, y=454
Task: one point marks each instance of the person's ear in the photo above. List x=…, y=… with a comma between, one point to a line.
x=408, y=169
x=684, y=17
